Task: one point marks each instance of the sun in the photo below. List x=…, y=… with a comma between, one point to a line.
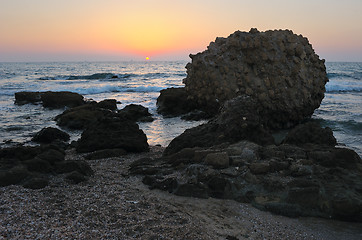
x=147, y=58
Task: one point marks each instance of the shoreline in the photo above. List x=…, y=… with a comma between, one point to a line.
x=114, y=205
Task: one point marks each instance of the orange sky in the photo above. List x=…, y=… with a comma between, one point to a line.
x=124, y=30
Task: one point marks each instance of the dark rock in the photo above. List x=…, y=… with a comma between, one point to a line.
x=307, y=180
x=27, y=97
x=38, y=165
x=217, y=160
x=61, y=99
x=310, y=133
x=83, y=116
x=31, y=166
x=112, y=133
x=110, y=104
x=106, y=153
x=173, y=102
x=52, y=156
x=76, y=177
x=50, y=134
x=13, y=176
x=36, y=183
x=72, y=165
x=234, y=123
x=136, y=113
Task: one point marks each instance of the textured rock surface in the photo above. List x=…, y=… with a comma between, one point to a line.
x=232, y=124
x=293, y=180
x=50, y=134
x=278, y=69
x=110, y=133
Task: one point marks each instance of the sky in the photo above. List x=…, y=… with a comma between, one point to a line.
x=115, y=30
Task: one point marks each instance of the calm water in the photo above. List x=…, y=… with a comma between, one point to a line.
x=140, y=83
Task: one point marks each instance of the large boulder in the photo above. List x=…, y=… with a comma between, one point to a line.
x=278, y=69
x=110, y=133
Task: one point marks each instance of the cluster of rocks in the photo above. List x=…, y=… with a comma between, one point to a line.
x=254, y=85
x=278, y=69
x=296, y=178
x=31, y=167
x=107, y=132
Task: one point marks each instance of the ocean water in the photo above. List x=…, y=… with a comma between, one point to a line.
x=140, y=83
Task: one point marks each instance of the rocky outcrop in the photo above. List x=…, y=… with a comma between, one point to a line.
x=234, y=123
x=111, y=133
x=49, y=135
x=289, y=179
x=31, y=167
x=50, y=99
x=278, y=69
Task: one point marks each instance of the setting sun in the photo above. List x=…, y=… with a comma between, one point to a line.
x=147, y=58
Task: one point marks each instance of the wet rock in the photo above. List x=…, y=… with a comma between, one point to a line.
x=27, y=97
x=50, y=134
x=50, y=99
x=61, y=99
x=173, y=102
x=110, y=104
x=83, y=116
x=137, y=113
x=285, y=77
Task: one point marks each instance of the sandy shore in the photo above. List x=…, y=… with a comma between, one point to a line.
x=114, y=205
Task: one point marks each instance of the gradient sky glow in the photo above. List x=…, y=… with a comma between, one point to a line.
x=78, y=30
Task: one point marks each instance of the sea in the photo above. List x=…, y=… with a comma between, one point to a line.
x=140, y=83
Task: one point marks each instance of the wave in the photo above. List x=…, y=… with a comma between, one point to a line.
x=353, y=75
x=115, y=89
x=339, y=86
x=111, y=76
x=95, y=76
